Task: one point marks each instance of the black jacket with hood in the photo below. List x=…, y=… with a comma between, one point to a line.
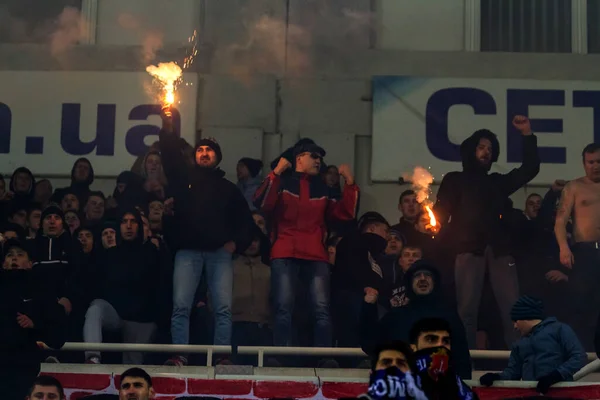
x=209, y=210
x=22, y=198
x=127, y=275
x=474, y=201
x=396, y=324
x=80, y=189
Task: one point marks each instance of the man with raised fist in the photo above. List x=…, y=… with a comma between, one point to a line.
x=299, y=205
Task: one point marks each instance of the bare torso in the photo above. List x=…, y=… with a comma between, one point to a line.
x=586, y=210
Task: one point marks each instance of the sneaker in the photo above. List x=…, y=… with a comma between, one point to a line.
x=51, y=360
x=177, y=361
x=93, y=360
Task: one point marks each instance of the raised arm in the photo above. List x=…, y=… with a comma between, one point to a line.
x=347, y=207
x=172, y=156
x=565, y=209
x=267, y=195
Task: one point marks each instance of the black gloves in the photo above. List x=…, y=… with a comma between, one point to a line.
x=489, y=379
x=548, y=380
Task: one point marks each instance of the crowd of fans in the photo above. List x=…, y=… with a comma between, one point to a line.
x=179, y=254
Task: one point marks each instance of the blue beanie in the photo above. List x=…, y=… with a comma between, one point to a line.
x=527, y=308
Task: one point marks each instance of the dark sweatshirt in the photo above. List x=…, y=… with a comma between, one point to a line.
x=23, y=199
x=470, y=204
x=396, y=324
x=80, y=189
x=209, y=210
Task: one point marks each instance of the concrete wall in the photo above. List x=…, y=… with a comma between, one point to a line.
x=273, y=71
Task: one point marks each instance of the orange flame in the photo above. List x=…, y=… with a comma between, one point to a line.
x=432, y=220
x=168, y=75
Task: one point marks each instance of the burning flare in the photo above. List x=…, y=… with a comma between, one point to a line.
x=432, y=220
x=168, y=74
x=420, y=180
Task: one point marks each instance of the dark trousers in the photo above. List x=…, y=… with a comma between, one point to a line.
x=16, y=379
x=584, y=293
x=250, y=334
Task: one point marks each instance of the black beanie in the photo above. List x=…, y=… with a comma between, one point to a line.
x=253, y=165
x=212, y=143
x=527, y=308
x=52, y=209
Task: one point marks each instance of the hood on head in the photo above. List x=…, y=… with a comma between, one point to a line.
x=12, y=180
x=421, y=265
x=9, y=226
x=138, y=217
x=468, y=146
x=90, y=178
x=254, y=166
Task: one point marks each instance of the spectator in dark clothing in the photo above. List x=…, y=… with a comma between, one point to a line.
x=13, y=231
x=249, y=178
x=86, y=238
x=394, y=293
x=108, y=234
x=409, y=207
x=42, y=192
x=21, y=186
x=431, y=339
x=208, y=227
x=46, y=387
x=423, y=287
x=27, y=316
x=69, y=201
x=82, y=177
x=34, y=216
x=548, y=351
x=126, y=290
x=469, y=206
x=94, y=209
x=396, y=242
x=355, y=270
x=156, y=209
x=17, y=213
x=533, y=203
x=72, y=220
x=297, y=202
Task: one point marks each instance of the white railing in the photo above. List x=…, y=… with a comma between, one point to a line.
x=260, y=352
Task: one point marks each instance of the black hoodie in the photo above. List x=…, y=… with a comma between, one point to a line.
x=127, y=275
x=22, y=198
x=209, y=210
x=396, y=324
x=474, y=201
x=80, y=189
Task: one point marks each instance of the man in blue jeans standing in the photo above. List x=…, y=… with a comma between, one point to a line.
x=299, y=205
x=211, y=221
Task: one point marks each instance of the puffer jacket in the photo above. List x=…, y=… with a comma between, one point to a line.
x=551, y=346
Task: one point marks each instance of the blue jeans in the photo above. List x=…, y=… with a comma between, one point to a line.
x=315, y=276
x=189, y=265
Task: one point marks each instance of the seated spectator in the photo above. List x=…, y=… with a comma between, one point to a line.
x=42, y=192
x=34, y=214
x=82, y=177
x=24, y=323
x=548, y=351
x=431, y=339
x=120, y=306
x=355, y=269
x=135, y=383
x=94, y=209
x=21, y=186
x=249, y=178
x=392, y=363
x=69, y=201
x=250, y=309
x=17, y=213
x=13, y=231
x=46, y=387
x=423, y=287
x=72, y=220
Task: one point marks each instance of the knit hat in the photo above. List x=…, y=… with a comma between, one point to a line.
x=212, y=143
x=370, y=217
x=253, y=165
x=527, y=308
x=52, y=209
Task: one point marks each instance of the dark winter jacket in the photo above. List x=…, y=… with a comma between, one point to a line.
x=20, y=294
x=471, y=204
x=128, y=276
x=551, y=346
x=299, y=207
x=356, y=266
x=80, y=189
x=209, y=210
x=22, y=198
x=396, y=324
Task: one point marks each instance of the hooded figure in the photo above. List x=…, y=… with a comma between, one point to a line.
x=473, y=212
x=82, y=177
x=27, y=316
x=249, y=182
x=426, y=302
x=22, y=184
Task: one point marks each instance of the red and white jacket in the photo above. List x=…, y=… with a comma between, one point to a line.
x=299, y=207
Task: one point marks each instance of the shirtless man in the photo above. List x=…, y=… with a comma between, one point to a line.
x=580, y=200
